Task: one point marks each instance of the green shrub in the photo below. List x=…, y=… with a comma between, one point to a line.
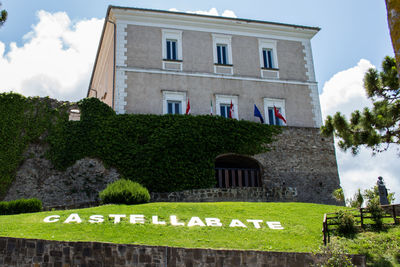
x=124, y=192
x=377, y=213
x=332, y=255
x=346, y=224
x=20, y=206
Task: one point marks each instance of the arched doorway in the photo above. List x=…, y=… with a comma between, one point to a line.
x=232, y=170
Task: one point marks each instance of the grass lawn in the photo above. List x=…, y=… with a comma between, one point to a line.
x=302, y=223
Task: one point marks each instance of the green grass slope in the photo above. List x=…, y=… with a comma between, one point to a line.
x=302, y=225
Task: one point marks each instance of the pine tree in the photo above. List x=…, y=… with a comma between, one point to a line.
x=3, y=16
x=375, y=128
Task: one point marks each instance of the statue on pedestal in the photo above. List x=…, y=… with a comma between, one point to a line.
x=383, y=193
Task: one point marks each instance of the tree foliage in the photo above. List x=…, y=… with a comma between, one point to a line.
x=375, y=128
x=3, y=16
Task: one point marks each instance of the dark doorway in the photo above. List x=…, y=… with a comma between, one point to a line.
x=233, y=170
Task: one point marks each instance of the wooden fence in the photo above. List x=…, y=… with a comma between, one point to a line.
x=363, y=218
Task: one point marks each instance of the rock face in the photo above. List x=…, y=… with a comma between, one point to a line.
x=78, y=186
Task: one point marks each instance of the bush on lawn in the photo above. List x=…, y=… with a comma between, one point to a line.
x=124, y=192
x=20, y=206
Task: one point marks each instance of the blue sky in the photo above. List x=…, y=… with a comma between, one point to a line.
x=47, y=47
x=350, y=30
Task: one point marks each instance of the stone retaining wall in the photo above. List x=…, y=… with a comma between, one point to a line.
x=246, y=194
x=16, y=252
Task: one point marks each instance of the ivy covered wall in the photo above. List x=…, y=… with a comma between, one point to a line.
x=164, y=153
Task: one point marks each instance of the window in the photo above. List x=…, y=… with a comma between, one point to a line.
x=221, y=54
x=223, y=104
x=279, y=104
x=273, y=120
x=174, y=107
x=174, y=102
x=224, y=110
x=267, y=58
x=171, y=49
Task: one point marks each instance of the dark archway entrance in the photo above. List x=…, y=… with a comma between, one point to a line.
x=232, y=170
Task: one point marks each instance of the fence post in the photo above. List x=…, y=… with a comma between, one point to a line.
x=361, y=218
x=394, y=215
x=324, y=228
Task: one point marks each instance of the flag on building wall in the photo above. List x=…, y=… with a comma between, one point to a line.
x=188, y=107
x=278, y=114
x=257, y=113
x=231, y=111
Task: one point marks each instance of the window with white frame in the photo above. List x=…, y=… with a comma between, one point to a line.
x=268, y=56
x=222, y=49
x=270, y=104
x=172, y=49
x=174, y=102
x=171, y=44
x=223, y=105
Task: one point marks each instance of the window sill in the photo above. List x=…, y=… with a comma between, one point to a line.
x=274, y=69
x=172, y=60
x=223, y=65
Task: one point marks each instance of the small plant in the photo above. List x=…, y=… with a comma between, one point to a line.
x=20, y=206
x=124, y=192
x=346, y=224
x=332, y=255
x=338, y=195
x=376, y=212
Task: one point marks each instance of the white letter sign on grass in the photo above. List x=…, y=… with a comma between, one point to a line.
x=52, y=218
x=117, y=217
x=195, y=221
x=156, y=221
x=213, y=222
x=74, y=217
x=237, y=223
x=173, y=221
x=96, y=219
x=137, y=219
x=275, y=225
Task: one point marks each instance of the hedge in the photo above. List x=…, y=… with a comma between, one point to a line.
x=20, y=206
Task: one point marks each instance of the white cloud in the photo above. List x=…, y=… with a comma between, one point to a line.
x=212, y=12
x=344, y=92
x=55, y=60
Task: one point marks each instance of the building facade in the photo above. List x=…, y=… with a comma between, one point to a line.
x=154, y=62
x=157, y=62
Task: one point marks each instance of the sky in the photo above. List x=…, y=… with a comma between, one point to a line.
x=48, y=47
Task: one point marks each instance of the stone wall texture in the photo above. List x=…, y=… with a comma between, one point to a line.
x=32, y=252
x=77, y=186
x=301, y=166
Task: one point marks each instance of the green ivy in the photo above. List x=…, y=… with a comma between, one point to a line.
x=22, y=121
x=163, y=153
